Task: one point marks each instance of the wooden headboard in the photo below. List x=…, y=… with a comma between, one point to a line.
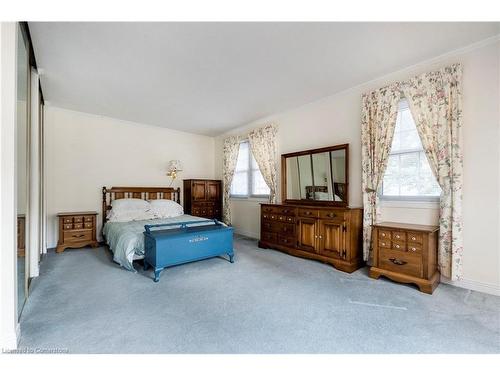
x=146, y=193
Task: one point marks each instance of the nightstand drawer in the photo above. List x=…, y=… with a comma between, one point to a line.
x=77, y=235
x=77, y=219
x=397, y=245
x=415, y=237
x=384, y=235
x=384, y=243
x=68, y=226
x=88, y=225
x=408, y=264
x=68, y=220
x=399, y=236
x=78, y=226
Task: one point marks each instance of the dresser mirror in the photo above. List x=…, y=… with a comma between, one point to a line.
x=318, y=176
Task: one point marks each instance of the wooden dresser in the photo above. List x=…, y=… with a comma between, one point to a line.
x=203, y=198
x=76, y=229
x=329, y=234
x=406, y=253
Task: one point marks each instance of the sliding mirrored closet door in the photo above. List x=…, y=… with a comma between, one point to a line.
x=22, y=166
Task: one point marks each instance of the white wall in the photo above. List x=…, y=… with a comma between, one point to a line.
x=8, y=215
x=85, y=152
x=337, y=119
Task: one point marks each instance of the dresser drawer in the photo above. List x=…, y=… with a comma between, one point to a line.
x=415, y=237
x=269, y=237
x=267, y=226
x=68, y=226
x=285, y=210
x=396, y=261
x=77, y=219
x=77, y=235
x=78, y=226
x=286, y=241
x=308, y=212
x=287, y=229
x=88, y=219
x=331, y=214
x=398, y=245
x=68, y=220
x=269, y=209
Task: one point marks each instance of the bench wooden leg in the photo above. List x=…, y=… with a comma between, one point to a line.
x=157, y=275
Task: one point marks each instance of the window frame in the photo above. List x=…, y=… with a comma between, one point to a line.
x=432, y=199
x=250, y=177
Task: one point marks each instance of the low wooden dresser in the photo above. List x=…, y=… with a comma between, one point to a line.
x=328, y=234
x=406, y=253
x=76, y=229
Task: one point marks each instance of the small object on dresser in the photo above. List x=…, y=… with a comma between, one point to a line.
x=406, y=253
x=76, y=229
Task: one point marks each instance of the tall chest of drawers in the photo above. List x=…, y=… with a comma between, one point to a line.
x=328, y=234
x=76, y=229
x=406, y=253
x=203, y=198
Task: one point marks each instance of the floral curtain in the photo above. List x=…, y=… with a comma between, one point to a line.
x=378, y=120
x=264, y=146
x=230, y=148
x=435, y=101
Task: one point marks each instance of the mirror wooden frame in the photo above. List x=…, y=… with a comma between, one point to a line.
x=310, y=202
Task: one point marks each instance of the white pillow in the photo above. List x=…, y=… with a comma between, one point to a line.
x=130, y=215
x=130, y=204
x=163, y=208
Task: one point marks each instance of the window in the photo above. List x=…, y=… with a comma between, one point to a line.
x=247, y=179
x=408, y=175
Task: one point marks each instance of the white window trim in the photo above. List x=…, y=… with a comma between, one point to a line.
x=249, y=197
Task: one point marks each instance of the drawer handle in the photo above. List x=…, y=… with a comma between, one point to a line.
x=397, y=246
x=307, y=212
x=413, y=248
x=382, y=243
x=383, y=234
x=397, y=236
x=398, y=262
x=414, y=238
x=78, y=235
x=331, y=215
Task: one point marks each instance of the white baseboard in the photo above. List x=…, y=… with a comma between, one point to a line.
x=478, y=286
x=247, y=234
x=18, y=333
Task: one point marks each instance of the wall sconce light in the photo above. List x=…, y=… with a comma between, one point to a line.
x=174, y=166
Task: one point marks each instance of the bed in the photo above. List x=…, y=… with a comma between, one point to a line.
x=126, y=239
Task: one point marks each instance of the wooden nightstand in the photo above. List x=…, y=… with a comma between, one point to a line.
x=406, y=253
x=76, y=229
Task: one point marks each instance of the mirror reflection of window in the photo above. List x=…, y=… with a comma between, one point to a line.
x=338, y=163
x=22, y=133
x=305, y=175
x=323, y=187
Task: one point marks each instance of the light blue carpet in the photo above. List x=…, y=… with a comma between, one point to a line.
x=266, y=302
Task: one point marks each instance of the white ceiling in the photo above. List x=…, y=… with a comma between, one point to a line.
x=207, y=78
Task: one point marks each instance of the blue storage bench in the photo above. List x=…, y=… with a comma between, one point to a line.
x=184, y=244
